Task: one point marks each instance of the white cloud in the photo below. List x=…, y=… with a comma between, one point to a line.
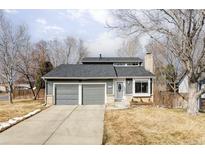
x=107, y=44
x=101, y=16
x=11, y=11
x=75, y=14
x=82, y=16
x=50, y=31
x=41, y=21
x=57, y=28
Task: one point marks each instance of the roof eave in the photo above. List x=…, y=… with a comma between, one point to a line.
x=98, y=77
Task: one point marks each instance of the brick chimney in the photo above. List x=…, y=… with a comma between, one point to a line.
x=148, y=62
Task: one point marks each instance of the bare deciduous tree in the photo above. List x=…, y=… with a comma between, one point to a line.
x=25, y=65
x=12, y=40
x=56, y=50
x=70, y=50
x=81, y=51
x=39, y=57
x=130, y=48
x=185, y=34
x=168, y=68
x=70, y=45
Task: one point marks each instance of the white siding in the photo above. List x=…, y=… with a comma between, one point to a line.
x=183, y=86
x=2, y=89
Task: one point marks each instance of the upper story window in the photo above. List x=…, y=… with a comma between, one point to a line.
x=128, y=64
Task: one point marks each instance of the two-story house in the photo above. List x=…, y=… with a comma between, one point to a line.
x=100, y=80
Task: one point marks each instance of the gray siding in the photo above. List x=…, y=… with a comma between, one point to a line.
x=128, y=86
x=93, y=94
x=108, y=81
x=49, y=88
x=110, y=87
x=66, y=94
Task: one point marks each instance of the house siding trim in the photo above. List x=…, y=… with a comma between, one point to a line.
x=119, y=77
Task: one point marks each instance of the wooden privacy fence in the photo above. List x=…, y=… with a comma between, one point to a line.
x=27, y=93
x=170, y=99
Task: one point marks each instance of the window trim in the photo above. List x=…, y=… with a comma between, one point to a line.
x=141, y=94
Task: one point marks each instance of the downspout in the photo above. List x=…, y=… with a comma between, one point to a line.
x=199, y=99
x=114, y=82
x=115, y=71
x=45, y=96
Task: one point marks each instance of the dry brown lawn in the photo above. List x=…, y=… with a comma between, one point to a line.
x=149, y=125
x=18, y=108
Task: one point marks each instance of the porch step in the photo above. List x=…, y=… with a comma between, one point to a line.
x=140, y=101
x=202, y=106
x=135, y=99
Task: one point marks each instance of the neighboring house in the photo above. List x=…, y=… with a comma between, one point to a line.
x=100, y=80
x=184, y=89
x=183, y=85
x=22, y=86
x=16, y=86
x=3, y=88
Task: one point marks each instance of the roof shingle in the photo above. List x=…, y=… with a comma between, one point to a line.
x=79, y=70
x=132, y=71
x=92, y=71
x=111, y=59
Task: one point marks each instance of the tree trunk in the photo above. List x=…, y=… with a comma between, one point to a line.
x=193, y=99
x=37, y=93
x=10, y=94
x=29, y=81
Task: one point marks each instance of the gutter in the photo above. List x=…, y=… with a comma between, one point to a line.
x=115, y=71
x=45, y=78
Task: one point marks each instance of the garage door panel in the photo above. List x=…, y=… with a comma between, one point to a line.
x=93, y=101
x=67, y=91
x=67, y=94
x=67, y=97
x=93, y=94
x=67, y=102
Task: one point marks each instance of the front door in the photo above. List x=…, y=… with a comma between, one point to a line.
x=119, y=90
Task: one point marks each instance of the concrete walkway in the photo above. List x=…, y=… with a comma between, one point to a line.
x=59, y=124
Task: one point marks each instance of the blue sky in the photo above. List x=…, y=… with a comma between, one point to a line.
x=90, y=25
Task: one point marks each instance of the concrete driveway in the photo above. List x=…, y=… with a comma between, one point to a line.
x=59, y=124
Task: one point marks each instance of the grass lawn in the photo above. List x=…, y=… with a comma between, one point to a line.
x=18, y=108
x=149, y=125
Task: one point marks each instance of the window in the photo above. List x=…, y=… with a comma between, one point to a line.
x=144, y=87
x=119, y=87
x=137, y=87
x=141, y=87
x=128, y=64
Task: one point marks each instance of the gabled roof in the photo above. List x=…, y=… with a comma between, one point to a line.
x=82, y=71
x=132, y=71
x=111, y=59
